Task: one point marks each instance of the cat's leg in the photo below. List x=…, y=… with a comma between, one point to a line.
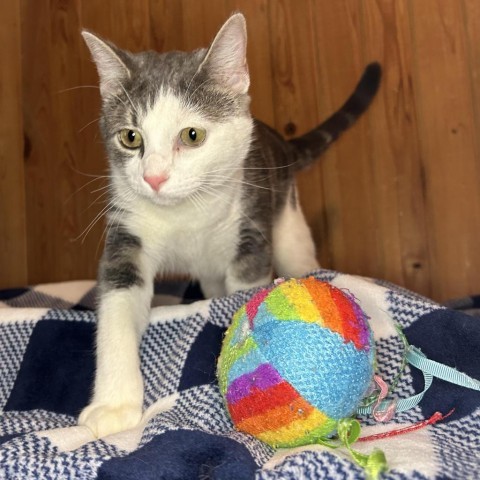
x=252, y=265
x=126, y=289
x=212, y=287
x=293, y=247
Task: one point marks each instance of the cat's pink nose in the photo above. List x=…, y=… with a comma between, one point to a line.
x=155, y=181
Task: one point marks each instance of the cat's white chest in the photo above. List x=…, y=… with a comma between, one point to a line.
x=194, y=239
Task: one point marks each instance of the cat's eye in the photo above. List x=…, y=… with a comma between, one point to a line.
x=193, y=136
x=130, y=138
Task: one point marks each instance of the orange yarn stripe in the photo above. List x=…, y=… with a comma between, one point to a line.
x=277, y=417
x=321, y=294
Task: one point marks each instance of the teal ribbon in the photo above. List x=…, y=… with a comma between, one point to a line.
x=430, y=369
x=348, y=429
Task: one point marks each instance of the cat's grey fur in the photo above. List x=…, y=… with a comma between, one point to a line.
x=261, y=188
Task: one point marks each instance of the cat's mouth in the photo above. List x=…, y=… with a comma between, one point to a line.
x=166, y=196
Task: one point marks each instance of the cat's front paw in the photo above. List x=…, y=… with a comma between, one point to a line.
x=104, y=419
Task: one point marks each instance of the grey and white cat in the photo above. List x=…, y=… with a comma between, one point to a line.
x=198, y=187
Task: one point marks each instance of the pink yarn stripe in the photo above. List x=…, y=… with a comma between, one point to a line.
x=254, y=303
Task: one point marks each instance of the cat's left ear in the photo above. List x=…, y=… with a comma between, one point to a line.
x=226, y=59
x=112, y=70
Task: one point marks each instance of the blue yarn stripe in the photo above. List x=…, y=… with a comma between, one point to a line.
x=245, y=364
x=330, y=374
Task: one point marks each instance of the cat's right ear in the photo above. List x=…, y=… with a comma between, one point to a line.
x=226, y=59
x=111, y=68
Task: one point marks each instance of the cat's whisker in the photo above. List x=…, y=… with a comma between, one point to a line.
x=81, y=188
x=243, y=214
x=199, y=204
x=88, y=124
x=103, y=212
x=112, y=222
x=88, y=174
x=198, y=87
x=89, y=227
x=226, y=181
x=105, y=187
x=129, y=99
x=77, y=87
x=228, y=169
x=100, y=198
x=187, y=96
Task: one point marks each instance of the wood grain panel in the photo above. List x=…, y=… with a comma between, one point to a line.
x=166, y=26
x=471, y=18
x=347, y=168
x=69, y=149
x=295, y=93
x=258, y=55
x=201, y=22
x=447, y=141
x=40, y=186
x=397, y=182
x=13, y=258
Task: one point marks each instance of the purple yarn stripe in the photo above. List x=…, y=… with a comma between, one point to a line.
x=262, y=377
x=364, y=333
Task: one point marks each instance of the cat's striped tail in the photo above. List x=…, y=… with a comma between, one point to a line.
x=309, y=146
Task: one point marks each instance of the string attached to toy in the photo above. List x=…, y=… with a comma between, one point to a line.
x=348, y=432
x=383, y=410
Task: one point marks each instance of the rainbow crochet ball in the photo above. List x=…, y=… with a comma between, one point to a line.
x=298, y=357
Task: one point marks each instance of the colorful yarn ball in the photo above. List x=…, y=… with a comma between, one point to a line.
x=298, y=357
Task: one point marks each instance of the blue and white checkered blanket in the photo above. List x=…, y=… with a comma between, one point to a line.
x=46, y=373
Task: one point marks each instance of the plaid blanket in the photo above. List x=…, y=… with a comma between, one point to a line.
x=46, y=374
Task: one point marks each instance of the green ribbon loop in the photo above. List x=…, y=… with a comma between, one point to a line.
x=375, y=463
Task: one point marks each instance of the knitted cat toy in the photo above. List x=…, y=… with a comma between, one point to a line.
x=296, y=363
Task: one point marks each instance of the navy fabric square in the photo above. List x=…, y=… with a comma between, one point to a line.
x=451, y=338
x=57, y=370
x=201, y=363
x=7, y=438
x=192, y=293
x=183, y=455
x=10, y=293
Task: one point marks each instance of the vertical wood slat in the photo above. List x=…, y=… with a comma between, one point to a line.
x=447, y=143
x=471, y=18
x=13, y=258
x=346, y=169
x=38, y=118
x=293, y=50
x=259, y=59
x=400, y=203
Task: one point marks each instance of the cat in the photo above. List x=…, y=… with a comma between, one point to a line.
x=198, y=187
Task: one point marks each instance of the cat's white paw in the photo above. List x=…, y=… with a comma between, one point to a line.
x=104, y=419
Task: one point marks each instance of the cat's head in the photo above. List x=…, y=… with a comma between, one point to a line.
x=176, y=123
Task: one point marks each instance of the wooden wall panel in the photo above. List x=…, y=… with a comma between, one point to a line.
x=346, y=169
x=13, y=258
x=295, y=90
x=397, y=197
x=40, y=175
x=447, y=142
x=394, y=139
x=259, y=56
